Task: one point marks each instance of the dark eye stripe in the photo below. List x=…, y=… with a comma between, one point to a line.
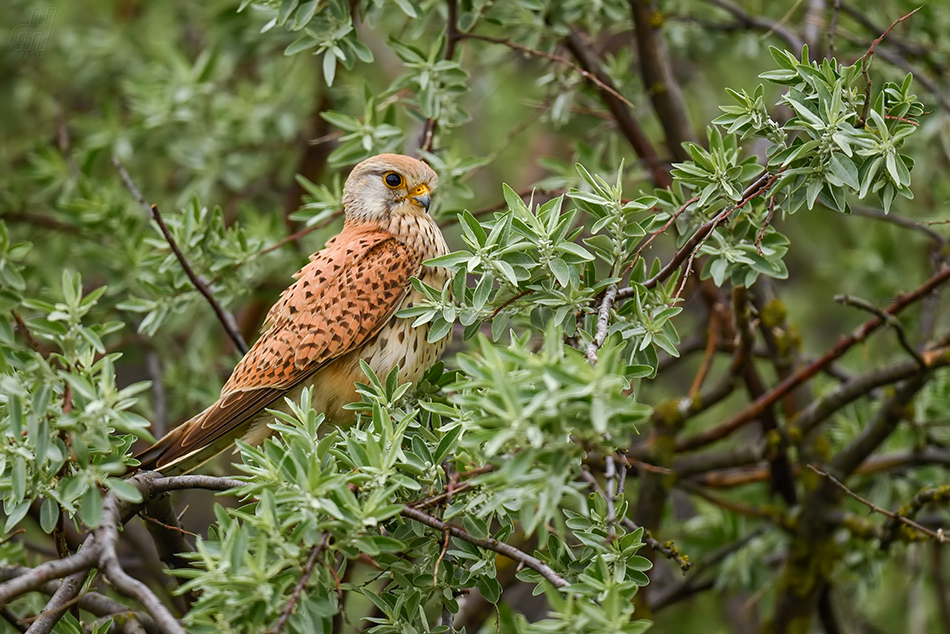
x=393, y=179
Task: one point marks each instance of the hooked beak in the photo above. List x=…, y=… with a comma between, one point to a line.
x=420, y=196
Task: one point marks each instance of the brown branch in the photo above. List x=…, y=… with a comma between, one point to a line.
x=877, y=214
x=494, y=545
x=226, y=318
x=662, y=229
x=619, y=110
x=759, y=187
x=754, y=409
x=301, y=584
x=712, y=338
x=452, y=37
x=794, y=42
x=940, y=536
x=891, y=321
x=866, y=61
x=593, y=77
x=299, y=234
x=658, y=79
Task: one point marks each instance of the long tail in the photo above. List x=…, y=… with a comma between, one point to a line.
x=169, y=457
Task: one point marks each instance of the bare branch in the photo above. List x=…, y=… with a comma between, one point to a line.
x=794, y=42
x=866, y=61
x=55, y=569
x=891, y=321
x=754, y=409
x=226, y=318
x=939, y=535
x=57, y=605
x=658, y=79
x=107, y=534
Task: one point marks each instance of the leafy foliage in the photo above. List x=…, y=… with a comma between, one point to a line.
x=559, y=421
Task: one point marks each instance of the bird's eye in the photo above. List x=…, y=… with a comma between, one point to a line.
x=392, y=179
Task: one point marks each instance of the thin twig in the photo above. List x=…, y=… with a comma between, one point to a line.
x=438, y=561
x=662, y=229
x=494, y=545
x=55, y=569
x=939, y=535
x=620, y=110
x=791, y=39
x=554, y=58
x=890, y=320
x=65, y=596
x=877, y=214
x=226, y=318
x=667, y=549
x=296, y=236
x=866, y=61
x=301, y=584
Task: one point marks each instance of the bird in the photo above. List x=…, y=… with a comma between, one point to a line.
x=341, y=309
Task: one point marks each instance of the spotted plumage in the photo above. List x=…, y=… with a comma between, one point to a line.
x=340, y=309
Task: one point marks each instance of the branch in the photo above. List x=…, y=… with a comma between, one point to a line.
x=939, y=535
x=754, y=409
x=452, y=37
x=794, y=42
x=594, y=78
x=877, y=214
x=619, y=109
x=494, y=545
x=757, y=188
x=226, y=318
x=301, y=584
x=55, y=569
x=603, y=323
x=296, y=236
x=891, y=321
x=658, y=79
x=866, y=61
x=62, y=599
x=106, y=535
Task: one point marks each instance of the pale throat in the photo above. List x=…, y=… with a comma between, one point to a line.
x=417, y=230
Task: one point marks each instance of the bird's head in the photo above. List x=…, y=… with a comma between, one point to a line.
x=387, y=185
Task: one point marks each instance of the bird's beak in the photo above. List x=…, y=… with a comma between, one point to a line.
x=420, y=196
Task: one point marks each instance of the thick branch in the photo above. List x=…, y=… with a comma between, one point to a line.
x=107, y=534
x=661, y=86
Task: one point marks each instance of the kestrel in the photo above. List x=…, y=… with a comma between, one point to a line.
x=341, y=309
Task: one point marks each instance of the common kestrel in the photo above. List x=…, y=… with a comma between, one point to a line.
x=341, y=309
